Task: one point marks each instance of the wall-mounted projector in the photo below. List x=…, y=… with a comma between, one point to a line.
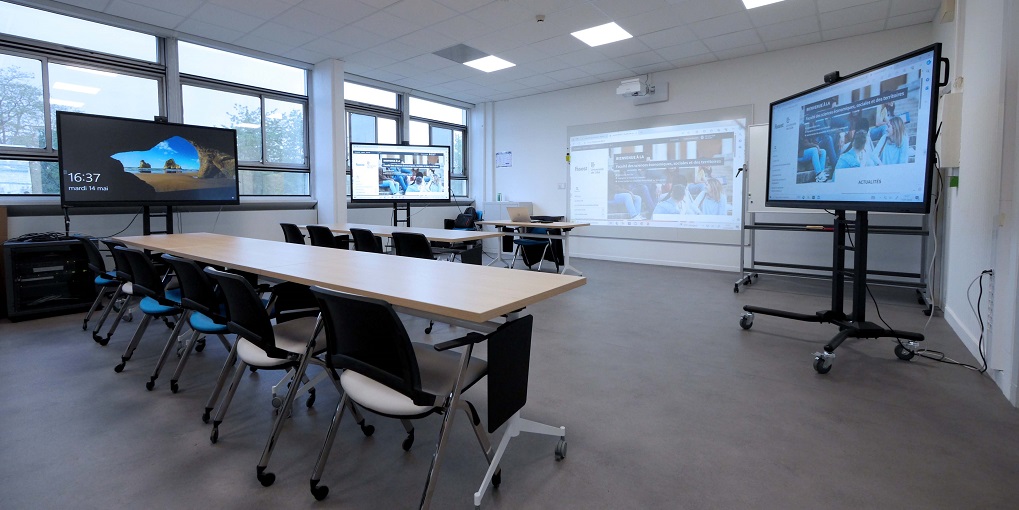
x=634, y=87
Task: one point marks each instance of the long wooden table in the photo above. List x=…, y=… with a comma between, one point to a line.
x=563, y=226
x=433, y=234
x=463, y=294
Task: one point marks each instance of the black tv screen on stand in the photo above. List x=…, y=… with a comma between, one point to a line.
x=111, y=161
x=389, y=173
x=862, y=143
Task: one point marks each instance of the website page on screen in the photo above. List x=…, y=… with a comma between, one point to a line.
x=399, y=172
x=678, y=176
x=863, y=139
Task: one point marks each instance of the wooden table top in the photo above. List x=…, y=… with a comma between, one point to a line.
x=433, y=234
x=460, y=291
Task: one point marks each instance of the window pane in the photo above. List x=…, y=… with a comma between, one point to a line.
x=29, y=177
x=65, y=30
x=78, y=89
x=234, y=68
x=459, y=187
x=369, y=95
x=442, y=136
x=258, y=182
x=362, y=128
x=21, y=110
x=457, y=156
x=436, y=111
x=418, y=133
x=207, y=107
x=387, y=130
x=284, y=132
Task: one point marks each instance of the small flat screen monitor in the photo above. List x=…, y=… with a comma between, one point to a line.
x=862, y=143
x=399, y=173
x=110, y=161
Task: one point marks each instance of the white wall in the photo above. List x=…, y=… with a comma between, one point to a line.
x=534, y=128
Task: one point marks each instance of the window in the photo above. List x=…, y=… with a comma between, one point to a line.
x=65, y=30
x=29, y=177
x=80, y=89
x=22, y=122
x=373, y=116
x=231, y=67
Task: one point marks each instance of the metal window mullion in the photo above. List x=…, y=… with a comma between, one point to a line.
x=173, y=100
x=46, y=121
x=265, y=145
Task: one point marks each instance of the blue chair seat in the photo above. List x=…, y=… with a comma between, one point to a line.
x=202, y=323
x=105, y=282
x=152, y=307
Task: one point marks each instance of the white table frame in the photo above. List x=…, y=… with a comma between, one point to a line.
x=563, y=226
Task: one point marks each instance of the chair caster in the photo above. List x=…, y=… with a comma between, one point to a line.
x=151, y=384
x=105, y=340
x=368, y=430
x=560, y=450
x=174, y=388
x=904, y=353
x=277, y=402
x=214, y=437
x=266, y=479
x=428, y=330
x=84, y=325
x=408, y=442
x=311, y=399
x=823, y=362
x=319, y=491
x=119, y=368
x=128, y=317
x=206, y=415
x=200, y=345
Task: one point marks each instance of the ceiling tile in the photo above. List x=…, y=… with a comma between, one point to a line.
x=262, y=43
x=463, y=5
x=653, y=68
x=95, y=5
x=789, y=28
x=357, y=37
x=303, y=54
x=653, y=21
x=862, y=28
x=824, y=6
x=900, y=7
x=427, y=41
x=854, y=15
x=615, y=75
x=729, y=41
x=790, y=42
x=640, y=59
x=144, y=14
x=347, y=11
x=398, y=50
x=623, y=8
x=370, y=59
x=422, y=12
x=264, y=9
x=684, y=50
x=380, y=4
x=283, y=34
x=178, y=7
x=699, y=11
x=307, y=21
x=668, y=37
x=461, y=28
x=500, y=14
x=569, y=73
x=693, y=61
x=727, y=24
x=546, y=65
x=387, y=24
x=330, y=47
x=560, y=45
x=622, y=48
x=584, y=56
x=225, y=17
x=915, y=18
x=782, y=11
x=538, y=80
x=743, y=51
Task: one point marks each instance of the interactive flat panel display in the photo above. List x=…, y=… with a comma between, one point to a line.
x=399, y=173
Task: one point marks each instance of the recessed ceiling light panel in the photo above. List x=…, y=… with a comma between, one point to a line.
x=757, y=3
x=489, y=64
x=602, y=34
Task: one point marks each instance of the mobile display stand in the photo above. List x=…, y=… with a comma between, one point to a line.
x=855, y=324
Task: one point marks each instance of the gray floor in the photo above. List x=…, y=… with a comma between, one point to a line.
x=667, y=403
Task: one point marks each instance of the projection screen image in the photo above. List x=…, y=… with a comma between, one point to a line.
x=681, y=176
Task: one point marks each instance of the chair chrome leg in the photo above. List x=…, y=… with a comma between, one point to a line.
x=318, y=491
x=265, y=478
x=166, y=350
x=124, y=309
x=188, y=347
x=133, y=344
x=220, y=381
x=102, y=318
x=221, y=410
x=453, y=401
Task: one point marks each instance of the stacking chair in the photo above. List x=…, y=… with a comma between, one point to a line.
x=122, y=272
x=410, y=244
x=322, y=236
x=287, y=345
x=156, y=300
x=204, y=311
x=106, y=282
x=386, y=374
x=365, y=240
x=531, y=243
x=292, y=234
x=472, y=255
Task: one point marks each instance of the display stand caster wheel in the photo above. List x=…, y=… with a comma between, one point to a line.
x=560, y=449
x=822, y=365
x=903, y=353
x=319, y=491
x=746, y=321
